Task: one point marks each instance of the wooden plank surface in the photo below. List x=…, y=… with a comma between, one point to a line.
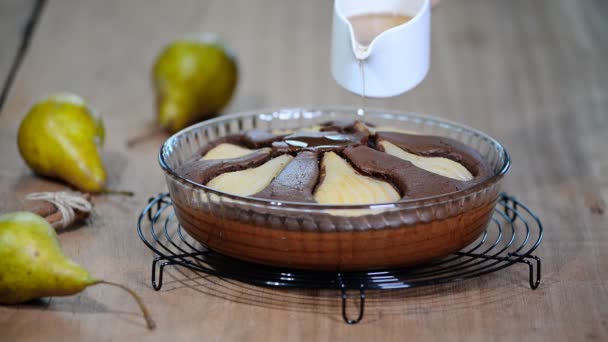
x=14, y=19
x=531, y=73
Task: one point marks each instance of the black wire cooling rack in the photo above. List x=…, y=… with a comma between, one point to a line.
x=510, y=238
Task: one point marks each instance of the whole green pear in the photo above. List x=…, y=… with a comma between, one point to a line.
x=60, y=138
x=194, y=79
x=32, y=264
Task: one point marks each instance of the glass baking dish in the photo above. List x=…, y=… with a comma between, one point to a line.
x=331, y=237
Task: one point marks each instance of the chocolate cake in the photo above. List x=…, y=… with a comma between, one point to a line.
x=343, y=195
x=415, y=166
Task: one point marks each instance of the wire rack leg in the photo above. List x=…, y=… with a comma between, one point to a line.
x=511, y=213
x=157, y=284
x=534, y=276
x=361, y=304
x=154, y=210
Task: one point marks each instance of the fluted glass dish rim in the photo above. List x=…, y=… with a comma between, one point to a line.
x=403, y=203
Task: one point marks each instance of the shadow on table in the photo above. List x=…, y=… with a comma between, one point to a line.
x=491, y=289
x=80, y=304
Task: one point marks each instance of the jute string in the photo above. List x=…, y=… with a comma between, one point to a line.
x=66, y=202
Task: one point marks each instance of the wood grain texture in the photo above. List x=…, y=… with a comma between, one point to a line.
x=14, y=16
x=531, y=73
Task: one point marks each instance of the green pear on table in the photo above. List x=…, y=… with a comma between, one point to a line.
x=60, y=137
x=32, y=264
x=194, y=78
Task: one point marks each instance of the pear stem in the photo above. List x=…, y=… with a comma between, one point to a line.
x=144, y=310
x=145, y=136
x=117, y=192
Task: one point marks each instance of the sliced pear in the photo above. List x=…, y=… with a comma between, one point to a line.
x=438, y=165
x=227, y=151
x=282, y=131
x=315, y=128
x=250, y=181
x=343, y=185
x=391, y=129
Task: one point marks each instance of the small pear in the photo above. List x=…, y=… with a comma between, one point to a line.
x=194, y=79
x=250, y=181
x=32, y=264
x=438, y=165
x=60, y=138
x=342, y=184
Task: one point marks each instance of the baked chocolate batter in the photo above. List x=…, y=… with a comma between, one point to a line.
x=354, y=142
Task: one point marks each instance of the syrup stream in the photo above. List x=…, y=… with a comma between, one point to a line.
x=361, y=110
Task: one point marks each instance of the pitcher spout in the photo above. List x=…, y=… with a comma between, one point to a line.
x=361, y=52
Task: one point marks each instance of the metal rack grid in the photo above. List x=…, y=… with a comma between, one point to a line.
x=512, y=235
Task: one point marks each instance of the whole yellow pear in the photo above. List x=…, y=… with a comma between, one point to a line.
x=32, y=264
x=60, y=138
x=194, y=79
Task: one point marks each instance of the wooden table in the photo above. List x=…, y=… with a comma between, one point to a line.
x=531, y=73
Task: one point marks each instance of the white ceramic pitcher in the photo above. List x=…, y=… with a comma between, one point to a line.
x=395, y=61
